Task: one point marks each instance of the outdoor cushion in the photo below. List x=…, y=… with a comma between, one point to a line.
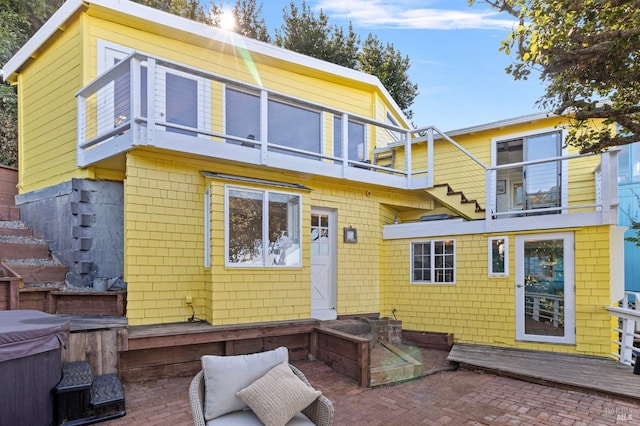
x=278, y=396
x=248, y=418
x=224, y=376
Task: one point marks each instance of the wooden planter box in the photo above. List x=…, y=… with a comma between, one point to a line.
x=54, y=301
x=9, y=288
x=345, y=353
x=429, y=340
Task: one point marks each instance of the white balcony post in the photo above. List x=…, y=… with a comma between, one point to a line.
x=613, y=186
x=605, y=177
x=81, y=131
x=264, y=125
x=430, y=155
x=134, y=97
x=151, y=102
x=490, y=197
x=344, y=132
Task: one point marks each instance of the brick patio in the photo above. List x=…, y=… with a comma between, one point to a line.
x=454, y=397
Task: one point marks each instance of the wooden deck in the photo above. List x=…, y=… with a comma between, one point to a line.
x=593, y=374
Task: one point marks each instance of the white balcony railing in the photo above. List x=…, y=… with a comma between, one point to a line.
x=628, y=314
x=149, y=101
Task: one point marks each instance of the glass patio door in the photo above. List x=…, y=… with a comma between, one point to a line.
x=545, y=302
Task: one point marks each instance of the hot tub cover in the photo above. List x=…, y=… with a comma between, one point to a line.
x=24, y=333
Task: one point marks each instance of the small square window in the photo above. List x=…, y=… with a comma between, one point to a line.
x=498, y=256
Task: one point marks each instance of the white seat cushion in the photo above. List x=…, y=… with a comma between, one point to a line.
x=247, y=418
x=224, y=376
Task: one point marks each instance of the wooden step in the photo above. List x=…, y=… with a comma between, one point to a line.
x=18, y=247
x=14, y=228
x=38, y=270
x=9, y=212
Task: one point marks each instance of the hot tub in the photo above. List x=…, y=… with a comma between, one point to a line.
x=30, y=365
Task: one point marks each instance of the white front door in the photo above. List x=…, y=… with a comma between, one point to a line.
x=545, y=288
x=323, y=264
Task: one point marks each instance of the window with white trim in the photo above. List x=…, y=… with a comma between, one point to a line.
x=433, y=262
x=262, y=228
x=498, y=256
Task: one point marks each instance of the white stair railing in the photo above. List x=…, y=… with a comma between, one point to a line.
x=628, y=316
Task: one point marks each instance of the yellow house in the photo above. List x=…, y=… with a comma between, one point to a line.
x=238, y=182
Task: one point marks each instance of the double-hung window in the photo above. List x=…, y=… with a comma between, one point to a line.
x=433, y=262
x=263, y=228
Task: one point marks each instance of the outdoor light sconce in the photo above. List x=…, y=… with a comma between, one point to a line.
x=350, y=235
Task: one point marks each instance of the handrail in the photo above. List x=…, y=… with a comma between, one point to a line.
x=628, y=320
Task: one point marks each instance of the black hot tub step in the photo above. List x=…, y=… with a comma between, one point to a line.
x=76, y=376
x=107, y=401
x=107, y=390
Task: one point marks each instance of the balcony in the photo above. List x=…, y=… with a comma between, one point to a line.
x=146, y=101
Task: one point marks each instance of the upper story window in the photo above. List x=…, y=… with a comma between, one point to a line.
x=532, y=186
x=242, y=114
x=262, y=228
x=433, y=262
x=294, y=127
x=182, y=100
x=629, y=163
x=356, y=143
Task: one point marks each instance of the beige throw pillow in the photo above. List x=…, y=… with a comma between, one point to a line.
x=278, y=396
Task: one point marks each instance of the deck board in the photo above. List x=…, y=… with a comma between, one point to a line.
x=601, y=375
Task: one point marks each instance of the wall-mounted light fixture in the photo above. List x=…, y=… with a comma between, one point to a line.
x=350, y=235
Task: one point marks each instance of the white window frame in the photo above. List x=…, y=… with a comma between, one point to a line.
x=203, y=92
x=292, y=216
x=207, y=227
x=432, y=262
x=108, y=52
x=564, y=151
x=492, y=273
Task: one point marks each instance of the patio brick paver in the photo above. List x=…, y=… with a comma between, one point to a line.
x=453, y=398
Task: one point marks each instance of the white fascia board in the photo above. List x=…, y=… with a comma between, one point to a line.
x=454, y=227
x=195, y=28
x=52, y=25
x=502, y=123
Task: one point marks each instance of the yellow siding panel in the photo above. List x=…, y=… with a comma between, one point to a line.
x=51, y=109
x=481, y=309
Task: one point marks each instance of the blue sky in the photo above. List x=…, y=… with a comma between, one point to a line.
x=453, y=50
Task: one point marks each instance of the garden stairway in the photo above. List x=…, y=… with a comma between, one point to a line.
x=25, y=255
x=83, y=399
x=21, y=253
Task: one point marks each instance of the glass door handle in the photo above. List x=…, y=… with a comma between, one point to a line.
x=519, y=285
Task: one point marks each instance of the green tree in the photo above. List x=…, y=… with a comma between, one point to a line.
x=246, y=15
x=388, y=64
x=587, y=55
x=304, y=32
x=19, y=20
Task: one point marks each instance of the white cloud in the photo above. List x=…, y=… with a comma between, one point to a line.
x=407, y=15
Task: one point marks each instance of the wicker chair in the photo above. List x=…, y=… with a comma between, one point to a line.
x=320, y=412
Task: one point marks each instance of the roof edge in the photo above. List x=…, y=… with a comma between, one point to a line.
x=52, y=25
x=502, y=123
x=186, y=25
